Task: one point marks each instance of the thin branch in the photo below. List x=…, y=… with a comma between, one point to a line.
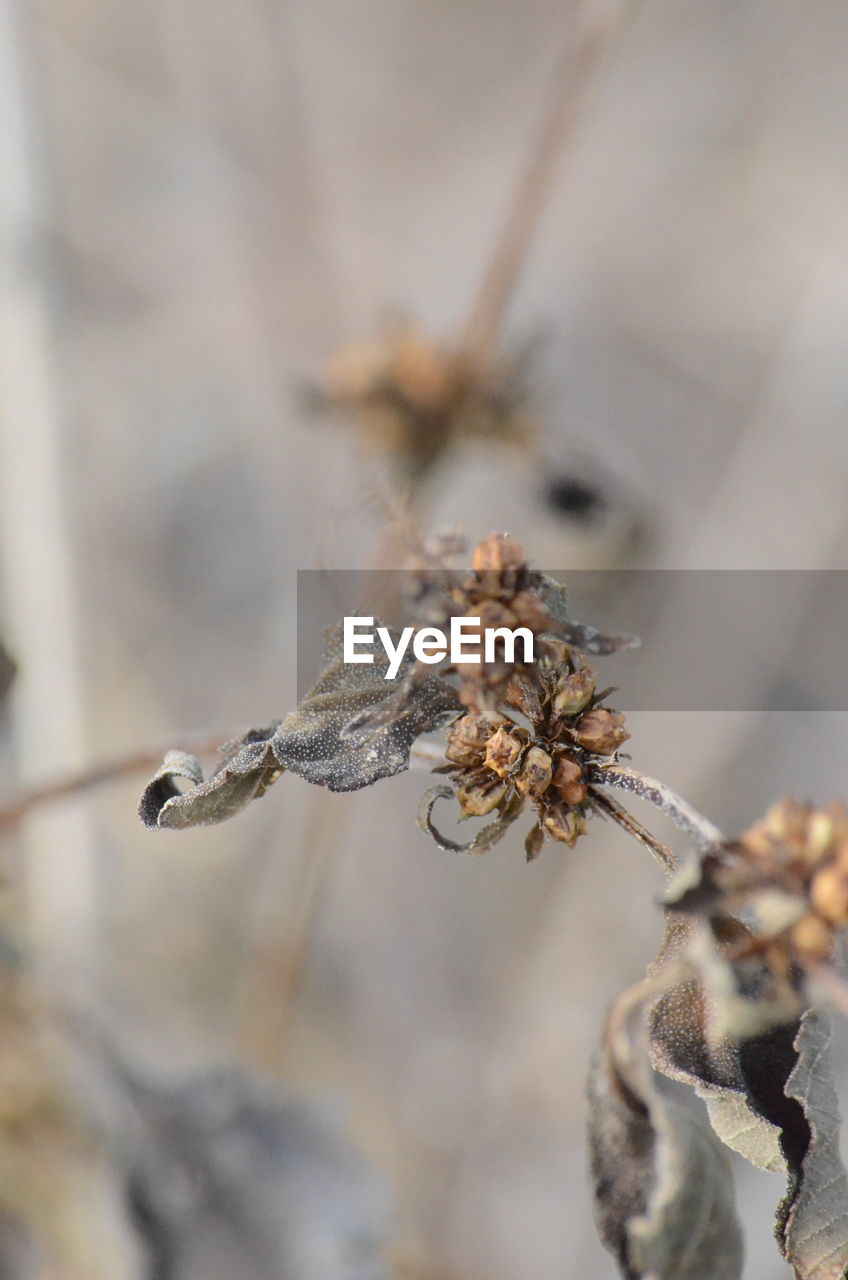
x=141, y=760
x=664, y=856
x=705, y=834
x=592, y=37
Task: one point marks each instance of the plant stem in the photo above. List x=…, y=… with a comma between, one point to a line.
x=588, y=42
x=705, y=834
x=667, y=860
x=142, y=759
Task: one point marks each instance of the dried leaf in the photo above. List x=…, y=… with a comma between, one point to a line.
x=663, y=1187
x=247, y=769
x=813, y=1219
x=770, y=1097
x=355, y=727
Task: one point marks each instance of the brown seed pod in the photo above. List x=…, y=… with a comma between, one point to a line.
x=503, y=749
x=829, y=893
x=812, y=938
x=574, y=692
x=535, y=774
x=563, y=824
x=530, y=611
x=481, y=795
x=601, y=731
x=467, y=740
x=497, y=553
x=568, y=780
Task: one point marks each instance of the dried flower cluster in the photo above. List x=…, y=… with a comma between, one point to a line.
x=787, y=875
x=729, y=1007
x=500, y=764
x=411, y=397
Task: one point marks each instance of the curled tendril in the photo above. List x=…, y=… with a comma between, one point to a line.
x=485, y=838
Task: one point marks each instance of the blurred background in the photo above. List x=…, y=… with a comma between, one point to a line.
x=307, y=1043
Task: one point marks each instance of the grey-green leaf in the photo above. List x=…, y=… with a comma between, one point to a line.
x=663, y=1187
x=247, y=769
x=814, y=1227
x=355, y=726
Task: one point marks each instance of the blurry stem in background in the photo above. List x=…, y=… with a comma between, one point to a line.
x=140, y=760
x=590, y=39
x=37, y=569
x=277, y=964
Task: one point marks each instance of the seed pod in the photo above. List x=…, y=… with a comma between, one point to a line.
x=467, y=740
x=568, y=780
x=829, y=893
x=535, y=774
x=812, y=938
x=493, y=614
x=574, y=692
x=531, y=612
x=601, y=732
x=503, y=749
x=496, y=553
x=563, y=824
x=481, y=795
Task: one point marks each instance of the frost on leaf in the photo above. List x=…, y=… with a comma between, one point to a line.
x=355, y=727
x=247, y=769
x=662, y=1184
x=769, y=1096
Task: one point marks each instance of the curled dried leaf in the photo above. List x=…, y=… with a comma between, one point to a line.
x=663, y=1187
x=769, y=1095
x=486, y=838
x=352, y=729
x=247, y=769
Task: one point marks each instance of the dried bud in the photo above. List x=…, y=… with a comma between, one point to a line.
x=601, y=732
x=421, y=371
x=812, y=938
x=493, y=614
x=467, y=740
x=574, y=692
x=530, y=612
x=568, y=780
x=502, y=752
x=563, y=824
x=535, y=775
x=481, y=796
x=829, y=893
x=496, y=553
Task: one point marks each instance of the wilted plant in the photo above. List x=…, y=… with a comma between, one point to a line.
x=731, y=1007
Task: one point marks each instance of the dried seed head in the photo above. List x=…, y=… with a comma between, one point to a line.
x=811, y=937
x=829, y=892
x=503, y=749
x=600, y=731
x=534, y=777
x=568, y=780
x=530, y=611
x=481, y=796
x=574, y=692
x=467, y=740
x=563, y=824
x=496, y=554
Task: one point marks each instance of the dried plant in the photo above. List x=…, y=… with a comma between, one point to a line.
x=732, y=1007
